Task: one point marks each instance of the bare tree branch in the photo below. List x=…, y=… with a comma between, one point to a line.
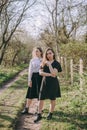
x=7, y=17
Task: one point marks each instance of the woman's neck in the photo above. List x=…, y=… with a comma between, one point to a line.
x=51, y=60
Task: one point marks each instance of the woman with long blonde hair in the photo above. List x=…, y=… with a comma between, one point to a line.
x=34, y=79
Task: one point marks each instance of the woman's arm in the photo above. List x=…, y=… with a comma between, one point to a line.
x=53, y=71
x=44, y=73
x=30, y=72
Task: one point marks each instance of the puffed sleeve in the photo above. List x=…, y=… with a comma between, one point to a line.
x=58, y=66
x=30, y=71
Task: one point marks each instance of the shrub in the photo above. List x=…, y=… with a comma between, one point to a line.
x=75, y=51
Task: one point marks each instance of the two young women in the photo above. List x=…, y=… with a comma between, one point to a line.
x=49, y=85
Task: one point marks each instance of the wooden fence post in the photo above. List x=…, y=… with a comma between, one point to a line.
x=81, y=73
x=71, y=70
x=66, y=69
x=58, y=59
x=62, y=62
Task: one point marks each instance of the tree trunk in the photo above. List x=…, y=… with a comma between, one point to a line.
x=56, y=30
x=13, y=60
x=3, y=49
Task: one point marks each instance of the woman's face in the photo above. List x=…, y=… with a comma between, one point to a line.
x=37, y=53
x=50, y=55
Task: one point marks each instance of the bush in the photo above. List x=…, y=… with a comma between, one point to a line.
x=75, y=51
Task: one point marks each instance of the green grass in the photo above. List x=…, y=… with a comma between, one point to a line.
x=11, y=103
x=70, y=111
x=8, y=73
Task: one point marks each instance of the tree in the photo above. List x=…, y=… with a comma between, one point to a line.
x=65, y=17
x=2, y=5
x=12, y=14
x=19, y=49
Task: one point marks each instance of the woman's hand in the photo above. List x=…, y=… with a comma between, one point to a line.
x=52, y=75
x=47, y=63
x=30, y=83
x=53, y=71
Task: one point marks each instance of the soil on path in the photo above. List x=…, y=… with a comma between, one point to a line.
x=25, y=122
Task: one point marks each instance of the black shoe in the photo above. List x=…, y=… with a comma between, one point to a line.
x=39, y=117
x=25, y=111
x=49, y=117
x=36, y=113
x=42, y=110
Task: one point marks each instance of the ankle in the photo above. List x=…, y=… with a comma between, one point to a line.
x=26, y=107
x=25, y=111
x=39, y=117
x=49, y=116
x=39, y=114
x=50, y=113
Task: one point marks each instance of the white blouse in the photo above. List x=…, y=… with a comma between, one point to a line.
x=34, y=66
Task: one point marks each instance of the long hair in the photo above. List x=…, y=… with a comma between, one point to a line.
x=37, y=48
x=45, y=55
x=40, y=49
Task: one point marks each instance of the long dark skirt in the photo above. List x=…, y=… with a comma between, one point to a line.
x=50, y=88
x=33, y=92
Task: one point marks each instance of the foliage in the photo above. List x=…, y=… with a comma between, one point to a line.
x=10, y=19
x=75, y=51
x=18, y=52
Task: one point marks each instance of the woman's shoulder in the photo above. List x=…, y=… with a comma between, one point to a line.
x=56, y=62
x=57, y=65
x=31, y=60
x=34, y=59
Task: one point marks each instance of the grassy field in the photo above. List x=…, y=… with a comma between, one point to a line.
x=70, y=111
x=11, y=103
x=8, y=73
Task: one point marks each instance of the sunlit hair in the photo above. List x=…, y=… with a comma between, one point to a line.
x=45, y=55
x=34, y=51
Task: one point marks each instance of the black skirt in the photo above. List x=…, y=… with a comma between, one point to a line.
x=50, y=88
x=33, y=92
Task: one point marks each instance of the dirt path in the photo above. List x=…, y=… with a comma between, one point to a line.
x=12, y=81
x=25, y=122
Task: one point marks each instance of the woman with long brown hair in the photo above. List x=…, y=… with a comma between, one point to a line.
x=50, y=88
